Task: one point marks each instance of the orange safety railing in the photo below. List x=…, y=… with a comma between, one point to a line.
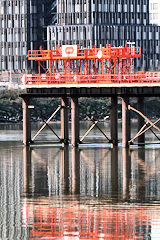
x=70, y=64
x=107, y=52
x=90, y=79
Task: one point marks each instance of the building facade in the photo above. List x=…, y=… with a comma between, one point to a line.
x=21, y=29
x=100, y=22
x=154, y=12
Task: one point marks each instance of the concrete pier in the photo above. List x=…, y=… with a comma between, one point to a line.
x=26, y=121
x=64, y=121
x=125, y=122
x=75, y=121
x=113, y=123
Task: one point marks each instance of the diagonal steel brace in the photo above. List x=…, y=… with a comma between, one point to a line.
x=46, y=124
x=143, y=130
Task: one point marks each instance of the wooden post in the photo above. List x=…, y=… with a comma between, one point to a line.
x=75, y=121
x=141, y=121
x=114, y=125
x=26, y=122
x=64, y=121
x=125, y=122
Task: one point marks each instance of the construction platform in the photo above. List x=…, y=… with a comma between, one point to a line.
x=73, y=73
x=93, y=90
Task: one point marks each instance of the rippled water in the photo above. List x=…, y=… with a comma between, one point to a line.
x=48, y=192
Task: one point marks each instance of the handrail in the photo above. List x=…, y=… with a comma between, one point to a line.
x=60, y=78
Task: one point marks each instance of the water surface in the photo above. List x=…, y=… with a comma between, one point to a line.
x=94, y=192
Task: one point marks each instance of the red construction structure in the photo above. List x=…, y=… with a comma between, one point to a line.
x=70, y=64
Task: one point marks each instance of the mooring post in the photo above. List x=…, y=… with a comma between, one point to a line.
x=125, y=122
x=141, y=121
x=26, y=121
x=64, y=121
x=114, y=125
x=75, y=121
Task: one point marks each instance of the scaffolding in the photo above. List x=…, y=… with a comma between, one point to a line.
x=70, y=64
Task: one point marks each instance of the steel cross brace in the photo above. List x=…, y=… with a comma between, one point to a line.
x=91, y=127
x=46, y=123
x=143, y=130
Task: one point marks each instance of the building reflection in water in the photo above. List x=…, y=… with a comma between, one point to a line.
x=90, y=193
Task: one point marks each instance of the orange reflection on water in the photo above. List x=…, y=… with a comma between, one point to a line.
x=75, y=221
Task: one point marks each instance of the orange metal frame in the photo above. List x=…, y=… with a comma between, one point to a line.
x=91, y=65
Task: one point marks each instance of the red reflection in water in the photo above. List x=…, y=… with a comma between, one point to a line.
x=73, y=222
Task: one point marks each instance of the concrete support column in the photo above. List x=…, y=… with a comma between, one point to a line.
x=26, y=122
x=64, y=121
x=141, y=121
x=75, y=121
x=114, y=125
x=125, y=122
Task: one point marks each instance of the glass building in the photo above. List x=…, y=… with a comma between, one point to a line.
x=100, y=22
x=21, y=29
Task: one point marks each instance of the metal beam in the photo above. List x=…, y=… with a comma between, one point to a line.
x=46, y=123
x=142, y=132
x=139, y=133
x=88, y=131
x=141, y=121
x=98, y=128
x=147, y=119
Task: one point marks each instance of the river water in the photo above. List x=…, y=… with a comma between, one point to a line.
x=91, y=192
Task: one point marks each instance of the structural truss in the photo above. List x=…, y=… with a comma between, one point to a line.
x=71, y=65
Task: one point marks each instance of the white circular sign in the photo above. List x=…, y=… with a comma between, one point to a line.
x=99, y=54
